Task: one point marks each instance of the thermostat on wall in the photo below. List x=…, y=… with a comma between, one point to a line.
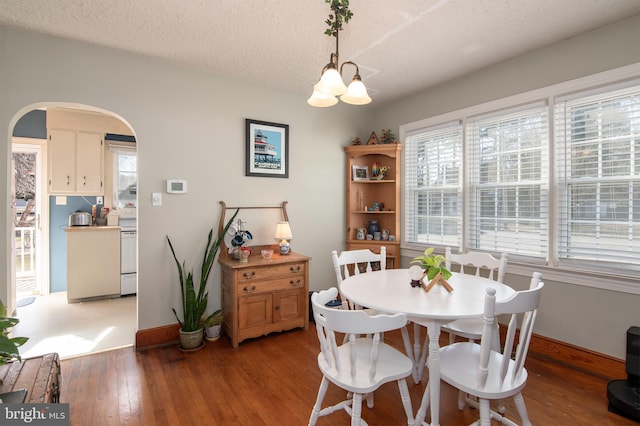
x=176, y=186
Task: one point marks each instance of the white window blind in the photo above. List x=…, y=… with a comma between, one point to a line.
x=598, y=162
x=507, y=167
x=433, y=186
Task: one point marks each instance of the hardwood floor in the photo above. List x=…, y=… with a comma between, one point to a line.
x=273, y=380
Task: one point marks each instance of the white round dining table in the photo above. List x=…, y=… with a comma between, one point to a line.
x=390, y=291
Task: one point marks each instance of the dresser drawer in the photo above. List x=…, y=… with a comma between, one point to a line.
x=252, y=287
x=268, y=272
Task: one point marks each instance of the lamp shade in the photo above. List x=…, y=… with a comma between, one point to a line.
x=318, y=99
x=356, y=93
x=331, y=83
x=283, y=231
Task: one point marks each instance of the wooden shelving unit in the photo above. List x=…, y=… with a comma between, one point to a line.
x=361, y=194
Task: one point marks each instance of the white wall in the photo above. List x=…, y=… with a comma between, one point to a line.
x=189, y=125
x=583, y=316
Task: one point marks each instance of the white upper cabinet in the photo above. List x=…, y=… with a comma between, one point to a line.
x=75, y=162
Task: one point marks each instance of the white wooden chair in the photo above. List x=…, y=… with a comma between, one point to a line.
x=471, y=329
x=356, y=262
x=487, y=374
x=360, y=365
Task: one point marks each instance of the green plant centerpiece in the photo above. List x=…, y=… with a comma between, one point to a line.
x=433, y=267
x=194, y=304
x=9, y=345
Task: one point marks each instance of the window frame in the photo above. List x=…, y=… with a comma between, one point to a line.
x=628, y=280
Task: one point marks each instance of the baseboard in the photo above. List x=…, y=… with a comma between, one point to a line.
x=571, y=356
x=158, y=336
x=581, y=359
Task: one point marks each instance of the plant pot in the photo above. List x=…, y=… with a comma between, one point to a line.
x=191, y=339
x=213, y=333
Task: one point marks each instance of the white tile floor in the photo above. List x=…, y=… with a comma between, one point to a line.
x=75, y=329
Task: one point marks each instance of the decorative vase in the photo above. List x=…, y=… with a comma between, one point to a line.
x=191, y=339
x=213, y=332
x=373, y=227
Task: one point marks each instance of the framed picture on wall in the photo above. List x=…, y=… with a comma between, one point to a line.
x=267, y=149
x=360, y=173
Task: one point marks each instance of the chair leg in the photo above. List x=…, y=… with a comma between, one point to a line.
x=522, y=409
x=315, y=412
x=406, y=400
x=370, y=400
x=424, y=406
x=462, y=400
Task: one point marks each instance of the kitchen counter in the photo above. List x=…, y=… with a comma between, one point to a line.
x=93, y=262
x=91, y=228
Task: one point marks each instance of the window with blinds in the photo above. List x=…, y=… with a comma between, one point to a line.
x=433, y=186
x=598, y=164
x=552, y=182
x=507, y=171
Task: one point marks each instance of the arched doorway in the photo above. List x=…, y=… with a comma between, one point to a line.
x=90, y=325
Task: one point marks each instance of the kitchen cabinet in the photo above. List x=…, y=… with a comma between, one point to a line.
x=262, y=296
x=93, y=262
x=364, y=192
x=75, y=162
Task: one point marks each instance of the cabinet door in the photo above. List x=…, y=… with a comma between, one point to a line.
x=288, y=304
x=89, y=148
x=255, y=310
x=62, y=161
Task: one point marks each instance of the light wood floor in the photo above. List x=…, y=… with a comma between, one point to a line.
x=273, y=380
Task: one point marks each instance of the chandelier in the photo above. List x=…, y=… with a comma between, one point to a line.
x=331, y=86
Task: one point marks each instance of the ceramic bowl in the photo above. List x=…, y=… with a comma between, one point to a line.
x=266, y=253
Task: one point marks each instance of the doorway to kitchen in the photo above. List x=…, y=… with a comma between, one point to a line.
x=46, y=318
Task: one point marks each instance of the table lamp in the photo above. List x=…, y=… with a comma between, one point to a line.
x=283, y=233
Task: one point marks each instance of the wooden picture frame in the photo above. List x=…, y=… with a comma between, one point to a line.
x=267, y=149
x=360, y=173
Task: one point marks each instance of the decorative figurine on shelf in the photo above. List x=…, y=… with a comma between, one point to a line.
x=388, y=136
x=356, y=141
x=375, y=207
x=375, y=170
x=373, y=139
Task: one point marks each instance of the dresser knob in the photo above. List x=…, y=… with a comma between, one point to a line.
x=248, y=276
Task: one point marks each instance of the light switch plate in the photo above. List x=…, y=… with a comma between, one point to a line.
x=156, y=198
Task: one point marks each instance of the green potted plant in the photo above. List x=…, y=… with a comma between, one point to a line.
x=9, y=345
x=194, y=304
x=432, y=264
x=213, y=325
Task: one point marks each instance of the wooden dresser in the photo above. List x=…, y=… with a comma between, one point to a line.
x=261, y=296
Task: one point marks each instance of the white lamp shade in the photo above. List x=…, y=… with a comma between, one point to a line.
x=356, y=94
x=322, y=100
x=331, y=83
x=283, y=231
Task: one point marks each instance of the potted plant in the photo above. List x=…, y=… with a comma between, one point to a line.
x=9, y=345
x=194, y=304
x=213, y=325
x=432, y=264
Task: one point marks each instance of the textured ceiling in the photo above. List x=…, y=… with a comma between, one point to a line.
x=401, y=46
